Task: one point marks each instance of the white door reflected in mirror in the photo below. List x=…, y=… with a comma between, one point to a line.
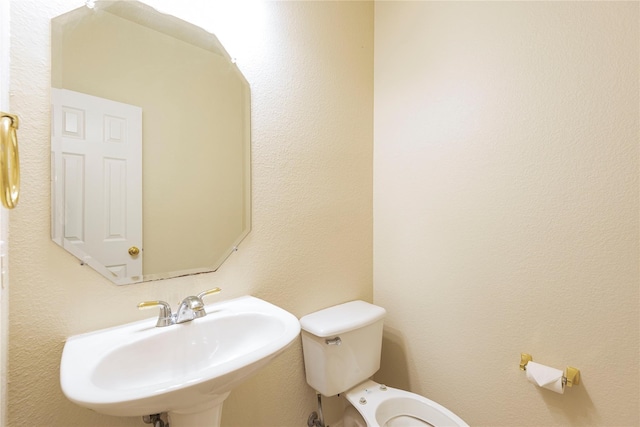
x=96, y=144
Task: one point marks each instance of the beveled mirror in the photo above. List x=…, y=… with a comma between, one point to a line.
x=150, y=143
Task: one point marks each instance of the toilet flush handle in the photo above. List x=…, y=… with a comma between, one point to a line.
x=333, y=341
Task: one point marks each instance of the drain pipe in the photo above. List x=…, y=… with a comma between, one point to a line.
x=314, y=419
x=155, y=419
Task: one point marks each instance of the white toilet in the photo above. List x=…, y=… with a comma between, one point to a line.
x=341, y=346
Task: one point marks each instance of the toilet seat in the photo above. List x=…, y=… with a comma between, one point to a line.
x=382, y=406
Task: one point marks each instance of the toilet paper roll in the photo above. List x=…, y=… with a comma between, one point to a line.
x=545, y=377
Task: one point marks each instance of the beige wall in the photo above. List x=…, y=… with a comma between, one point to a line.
x=506, y=205
x=310, y=68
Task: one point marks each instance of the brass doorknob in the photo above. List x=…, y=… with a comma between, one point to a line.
x=133, y=251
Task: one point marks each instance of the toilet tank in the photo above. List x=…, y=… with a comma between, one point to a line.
x=341, y=345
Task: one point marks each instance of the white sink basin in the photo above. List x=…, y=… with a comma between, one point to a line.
x=186, y=369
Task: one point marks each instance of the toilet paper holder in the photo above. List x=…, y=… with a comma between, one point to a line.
x=571, y=375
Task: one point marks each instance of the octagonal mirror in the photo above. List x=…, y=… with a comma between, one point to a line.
x=150, y=143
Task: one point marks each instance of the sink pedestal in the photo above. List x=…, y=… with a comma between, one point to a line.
x=208, y=414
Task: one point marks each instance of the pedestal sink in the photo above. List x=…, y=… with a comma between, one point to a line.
x=186, y=369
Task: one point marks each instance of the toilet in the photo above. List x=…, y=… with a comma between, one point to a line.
x=341, y=347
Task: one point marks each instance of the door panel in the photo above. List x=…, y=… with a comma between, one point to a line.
x=97, y=144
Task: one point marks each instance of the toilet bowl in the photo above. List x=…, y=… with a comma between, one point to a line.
x=342, y=347
x=377, y=405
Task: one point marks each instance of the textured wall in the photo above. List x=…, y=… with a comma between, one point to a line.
x=506, y=205
x=310, y=68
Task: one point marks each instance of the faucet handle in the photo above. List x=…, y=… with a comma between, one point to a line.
x=164, y=318
x=200, y=312
x=209, y=292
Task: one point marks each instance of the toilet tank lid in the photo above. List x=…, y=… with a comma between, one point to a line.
x=341, y=318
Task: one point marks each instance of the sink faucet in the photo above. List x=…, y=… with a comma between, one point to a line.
x=190, y=308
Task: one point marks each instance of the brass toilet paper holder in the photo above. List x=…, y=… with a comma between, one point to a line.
x=571, y=375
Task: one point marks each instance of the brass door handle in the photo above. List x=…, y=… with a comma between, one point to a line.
x=9, y=162
x=133, y=251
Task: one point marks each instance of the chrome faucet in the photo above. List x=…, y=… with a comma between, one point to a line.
x=190, y=308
